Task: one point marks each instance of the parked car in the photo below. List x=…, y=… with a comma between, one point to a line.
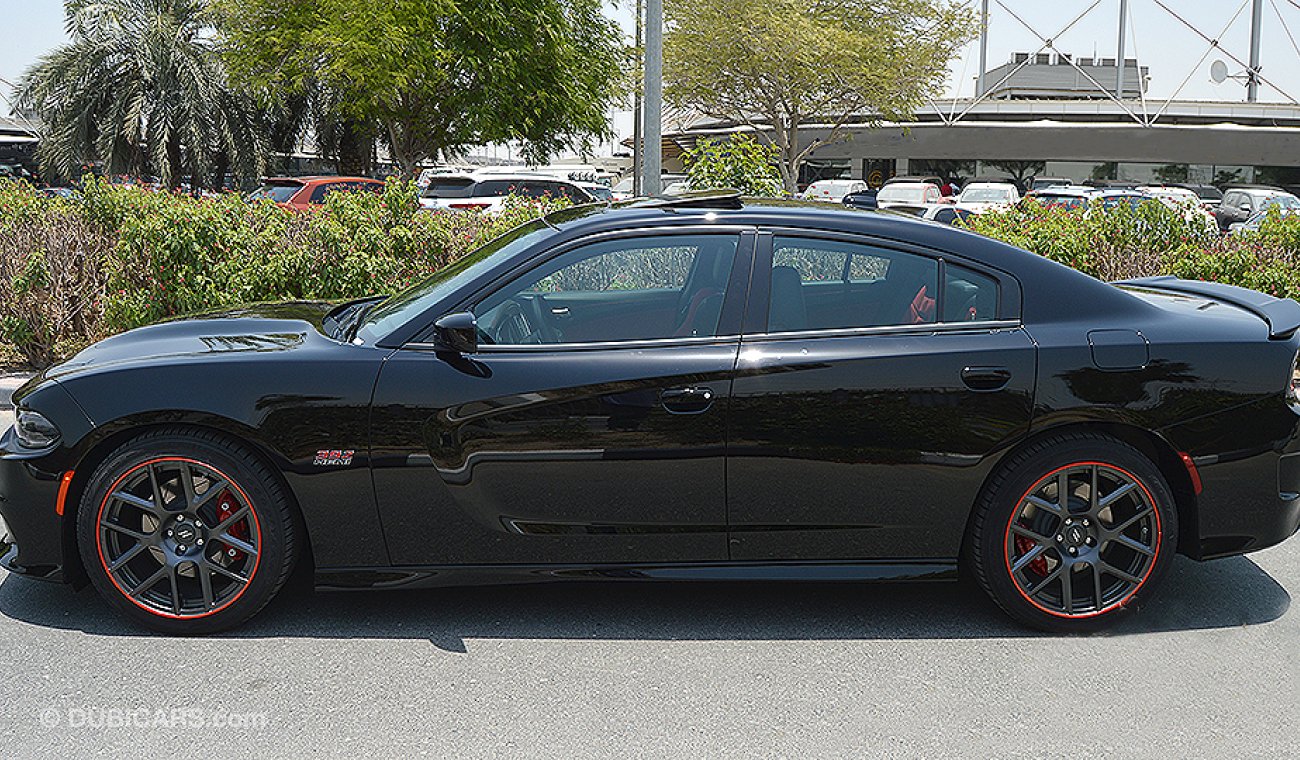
x=598, y=191
x=1242, y=202
x=574, y=401
x=1042, y=183
x=833, y=190
x=1184, y=201
x=979, y=197
x=1087, y=197
x=897, y=195
x=863, y=199
x=487, y=191
x=1255, y=222
x=1210, y=195
x=922, y=178
x=305, y=192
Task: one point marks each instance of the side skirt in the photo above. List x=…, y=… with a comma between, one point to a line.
x=360, y=578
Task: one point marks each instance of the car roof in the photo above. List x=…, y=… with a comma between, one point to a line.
x=486, y=176
x=317, y=179
x=989, y=183
x=908, y=184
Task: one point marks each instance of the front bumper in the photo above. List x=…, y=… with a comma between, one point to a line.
x=31, y=539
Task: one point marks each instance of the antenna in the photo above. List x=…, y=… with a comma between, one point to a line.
x=1218, y=72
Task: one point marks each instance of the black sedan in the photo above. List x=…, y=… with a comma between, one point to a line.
x=689, y=389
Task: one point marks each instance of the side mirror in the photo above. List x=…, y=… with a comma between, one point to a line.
x=457, y=332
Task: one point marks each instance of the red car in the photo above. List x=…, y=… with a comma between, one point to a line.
x=305, y=192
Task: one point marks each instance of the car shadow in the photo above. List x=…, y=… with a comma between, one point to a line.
x=1221, y=594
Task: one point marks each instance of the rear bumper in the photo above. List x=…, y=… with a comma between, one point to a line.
x=31, y=540
x=1248, y=504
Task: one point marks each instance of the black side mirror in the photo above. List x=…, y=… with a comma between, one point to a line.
x=457, y=332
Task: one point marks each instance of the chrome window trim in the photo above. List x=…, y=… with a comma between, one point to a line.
x=922, y=329
x=532, y=348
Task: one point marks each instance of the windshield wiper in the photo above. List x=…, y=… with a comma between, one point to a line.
x=354, y=324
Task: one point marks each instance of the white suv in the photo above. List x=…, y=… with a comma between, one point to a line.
x=1241, y=203
x=487, y=191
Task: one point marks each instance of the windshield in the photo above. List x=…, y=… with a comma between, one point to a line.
x=401, y=308
x=1284, y=202
x=1061, y=201
x=986, y=195
x=277, y=193
x=901, y=193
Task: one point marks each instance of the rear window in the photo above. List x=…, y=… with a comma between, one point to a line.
x=278, y=192
x=318, y=195
x=449, y=188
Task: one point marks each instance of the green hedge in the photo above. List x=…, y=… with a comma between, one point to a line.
x=75, y=270
x=1154, y=239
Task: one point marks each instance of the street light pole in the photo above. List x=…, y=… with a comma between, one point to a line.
x=653, y=107
x=1119, y=61
x=1252, y=76
x=984, y=48
x=637, y=109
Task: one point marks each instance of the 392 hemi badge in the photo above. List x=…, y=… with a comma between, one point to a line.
x=333, y=457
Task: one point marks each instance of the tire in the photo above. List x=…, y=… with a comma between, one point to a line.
x=214, y=552
x=1111, y=546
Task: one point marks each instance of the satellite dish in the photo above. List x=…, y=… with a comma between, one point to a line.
x=1218, y=72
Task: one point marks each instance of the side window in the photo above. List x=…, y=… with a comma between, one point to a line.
x=318, y=195
x=968, y=296
x=826, y=284
x=645, y=288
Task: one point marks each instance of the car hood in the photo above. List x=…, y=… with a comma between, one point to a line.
x=260, y=329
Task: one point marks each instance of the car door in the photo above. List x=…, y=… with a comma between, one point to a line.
x=865, y=432
x=590, y=425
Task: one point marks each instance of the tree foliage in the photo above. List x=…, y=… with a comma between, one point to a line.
x=738, y=163
x=141, y=89
x=783, y=65
x=437, y=76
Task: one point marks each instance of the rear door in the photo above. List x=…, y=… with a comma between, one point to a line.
x=861, y=425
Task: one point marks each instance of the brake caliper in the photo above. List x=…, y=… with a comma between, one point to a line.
x=226, y=507
x=1039, y=563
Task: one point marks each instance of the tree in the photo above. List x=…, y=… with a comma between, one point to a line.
x=438, y=76
x=779, y=66
x=140, y=89
x=1019, y=170
x=735, y=163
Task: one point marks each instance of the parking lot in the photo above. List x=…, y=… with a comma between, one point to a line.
x=630, y=670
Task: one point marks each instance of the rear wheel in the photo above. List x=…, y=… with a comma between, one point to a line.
x=1073, y=532
x=185, y=532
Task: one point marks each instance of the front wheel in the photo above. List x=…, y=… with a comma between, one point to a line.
x=185, y=532
x=1073, y=532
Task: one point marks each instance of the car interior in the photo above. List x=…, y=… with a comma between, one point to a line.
x=654, y=288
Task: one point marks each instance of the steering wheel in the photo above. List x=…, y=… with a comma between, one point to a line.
x=519, y=321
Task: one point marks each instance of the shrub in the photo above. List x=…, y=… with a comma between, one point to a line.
x=120, y=257
x=51, y=279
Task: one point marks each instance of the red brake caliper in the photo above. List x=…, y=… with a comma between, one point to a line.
x=226, y=507
x=1023, y=547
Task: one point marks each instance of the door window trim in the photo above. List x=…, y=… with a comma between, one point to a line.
x=755, y=327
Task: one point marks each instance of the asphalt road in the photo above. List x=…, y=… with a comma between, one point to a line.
x=1209, y=669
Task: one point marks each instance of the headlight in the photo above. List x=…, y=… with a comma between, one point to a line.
x=34, y=431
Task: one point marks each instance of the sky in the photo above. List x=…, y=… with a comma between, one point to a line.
x=1171, y=51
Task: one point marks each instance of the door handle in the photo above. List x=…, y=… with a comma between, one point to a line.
x=560, y=312
x=985, y=379
x=686, y=400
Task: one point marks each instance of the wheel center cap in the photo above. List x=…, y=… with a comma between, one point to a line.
x=1075, y=535
x=185, y=533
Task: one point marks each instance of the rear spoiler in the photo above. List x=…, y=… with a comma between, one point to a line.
x=1281, y=314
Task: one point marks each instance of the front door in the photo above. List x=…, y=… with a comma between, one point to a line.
x=589, y=428
x=865, y=408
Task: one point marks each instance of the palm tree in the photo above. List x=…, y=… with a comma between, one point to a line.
x=141, y=89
